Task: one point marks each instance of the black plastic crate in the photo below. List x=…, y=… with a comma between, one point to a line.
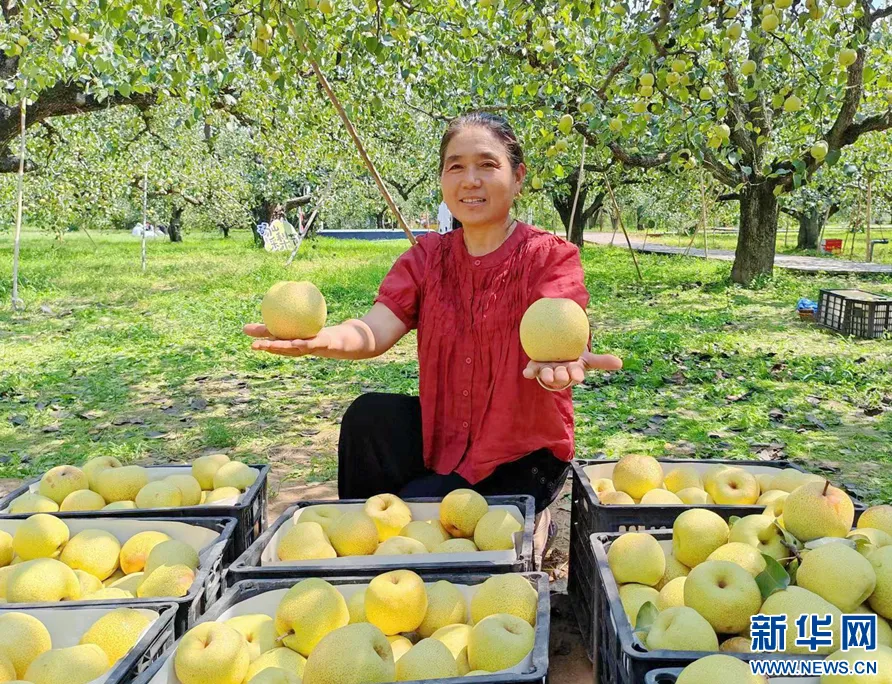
x=855, y=312
x=248, y=566
x=250, y=511
x=206, y=588
x=248, y=588
x=620, y=657
x=588, y=516
x=157, y=640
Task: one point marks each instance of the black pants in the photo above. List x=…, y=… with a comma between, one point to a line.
x=380, y=451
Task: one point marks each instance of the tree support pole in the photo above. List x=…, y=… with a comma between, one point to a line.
x=17, y=303
x=578, y=187
x=145, y=213
x=868, y=253
x=622, y=225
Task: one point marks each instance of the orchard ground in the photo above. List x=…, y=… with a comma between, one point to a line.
x=154, y=367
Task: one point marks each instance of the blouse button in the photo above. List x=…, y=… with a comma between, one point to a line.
x=465, y=424
x=468, y=360
x=477, y=262
x=465, y=393
x=535, y=471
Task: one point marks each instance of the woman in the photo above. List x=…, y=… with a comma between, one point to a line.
x=487, y=417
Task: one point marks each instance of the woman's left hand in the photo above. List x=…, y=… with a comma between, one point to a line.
x=565, y=374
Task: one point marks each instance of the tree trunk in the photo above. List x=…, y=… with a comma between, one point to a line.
x=811, y=222
x=225, y=230
x=175, y=229
x=266, y=212
x=379, y=219
x=758, y=232
x=564, y=207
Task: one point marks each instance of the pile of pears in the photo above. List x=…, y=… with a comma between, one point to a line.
x=105, y=484
x=699, y=593
x=42, y=563
x=384, y=527
x=639, y=479
x=27, y=653
x=395, y=628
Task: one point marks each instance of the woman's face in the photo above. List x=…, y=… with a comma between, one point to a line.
x=478, y=182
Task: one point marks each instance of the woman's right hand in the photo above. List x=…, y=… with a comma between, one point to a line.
x=266, y=342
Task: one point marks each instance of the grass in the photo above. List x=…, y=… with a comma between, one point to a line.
x=106, y=360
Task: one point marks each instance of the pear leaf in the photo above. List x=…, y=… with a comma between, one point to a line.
x=792, y=569
x=773, y=578
x=823, y=541
x=789, y=540
x=733, y=519
x=646, y=616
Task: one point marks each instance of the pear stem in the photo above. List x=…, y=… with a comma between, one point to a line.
x=826, y=487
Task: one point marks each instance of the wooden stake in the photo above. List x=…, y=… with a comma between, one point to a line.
x=703, y=215
x=16, y=302
x=622, y=225
x=145, y=212
x=578, y=187
x=868, y=256
x=353, y=134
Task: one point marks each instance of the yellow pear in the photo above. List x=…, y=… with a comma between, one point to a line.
x=693, y=496
x=660, y=497
x=356, y=606
x=7, y=553
x=354, y=534
x=873, y=539
x=711, y=472
x=773, y=500
x=681, y=629
x=135, y=551
x=89, y=584
x=499, y=642
x=396, y=602
x=117, y=632
x=205, y=467
x=324, y=515
x=724, y=593
x=734, y=487
x=167, y=581
x=22, y=638
x=765, y=480
x=838, y=574
x=44, y=579
x=274, y=675
x=554, y=329
x=92, y=467
x=129, y=583
x=446, y=605
x=222, y=494
x=882, y=656
x=795, y=601
x=456, y=639
x=7, y=670
x=109, y=594
x=460, y=511
x=59, y=482
x=211, y=653
x=398, y=546
x=671, y=595
x=4, y=576
x=636, y=557
x=171, y=552
x=293, y=310
x=456, y=546
x=760, y=532
x=509, y=593
x=884, y=630
x=121, y=484
x=600, y=485
x=674, y=569
x=389, y=513
x=746, y=556
x=400, y=646
x=881, y=598
x=120, y=506
x=354, y=654
x=305, y=541
x=235, y=474
x=682, y=477
x=72, y=665
x=260, y=632
x=696, y=533
x=277, y=659
x=190, y=490
x=114, y=577
x=616, y=499
x=877, y=517
x=428, y=659
x=636, y=475
x=424, y=532
x=94, y=551
x=818, y=510
x=736, y=645
x=718, y=668
x=159, y=494
x=634, y=596
x=40, y=536
x=82, y=500
x=496, y=529
x=309, y=610
x=32, y=503
x=438, y=526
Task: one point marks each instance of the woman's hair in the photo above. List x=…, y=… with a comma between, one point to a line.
x=496, y=125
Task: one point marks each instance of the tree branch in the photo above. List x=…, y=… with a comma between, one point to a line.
x=293, y=202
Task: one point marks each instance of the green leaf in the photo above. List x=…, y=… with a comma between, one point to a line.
x=646, y=616
x=823, y=541
x=833, y=157
x=734, y=518
x=773, y=578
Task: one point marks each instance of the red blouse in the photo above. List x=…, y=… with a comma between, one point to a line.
x=477, y=409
